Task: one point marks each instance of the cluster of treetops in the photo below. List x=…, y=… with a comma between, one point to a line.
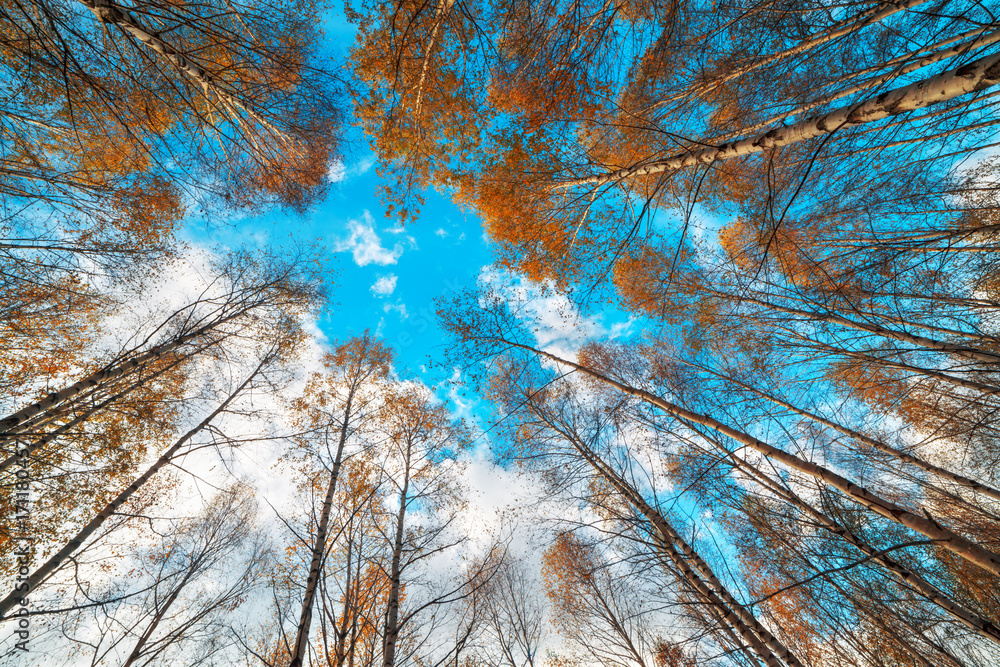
x=789, y=461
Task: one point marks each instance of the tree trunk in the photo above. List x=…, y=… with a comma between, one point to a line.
x=901, y=336
x=971, y=620
x=840, y=29
x=944, y=50
x=978, y=75
x=319, y=547
x=392, y=612
x=161, y=612
x=107, y=373
x=927, y=527
x=50, y=566
x=108, y=12
x=12, y=460
x=965, y=482
x=764, y=644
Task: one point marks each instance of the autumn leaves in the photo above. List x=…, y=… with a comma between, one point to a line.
x=792, y=461
x=119, y=121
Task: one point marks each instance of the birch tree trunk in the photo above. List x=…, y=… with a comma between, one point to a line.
x=981, y=626
x=136, y=653
x=928, y=527
x=319, y=546
x=342, y=632
x=964, y=351
x=978, y=75
x=971, y=484
x=987, y=389
x=391, y=635
x=11, y=422
x=12, y=460
x=108, y=12
x=708, y=586
x=904, y=69
x=52, y=564
x=841, y=29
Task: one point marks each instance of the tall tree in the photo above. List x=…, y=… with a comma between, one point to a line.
x=60, y=555
x=333, y=407
x=420, y=468
x=191, y=585
x=624, y=368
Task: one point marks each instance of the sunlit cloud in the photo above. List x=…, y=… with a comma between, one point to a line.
x=399, y=307
x=385, y=285
x=365, y=245
x=339, y=171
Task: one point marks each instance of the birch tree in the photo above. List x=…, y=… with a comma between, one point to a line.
x=335, y=406
x=581, y=145
x=59, y=556
x=83, y=441
x=420, y=468
x=190, y=589
x=624, y=368
x=228, y=93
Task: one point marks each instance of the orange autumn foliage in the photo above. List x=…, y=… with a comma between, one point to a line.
x=567, y=565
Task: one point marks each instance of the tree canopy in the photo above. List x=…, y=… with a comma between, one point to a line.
x=784, y=455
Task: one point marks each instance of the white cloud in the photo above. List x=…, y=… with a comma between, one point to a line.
x=462, y=407
x=365, y=245
x=363, y=166
x=400, y=231
x=339, y=171
x=556, y=322
x=622, y=329
x=441, y=232
x=385, y=285
x=399, y=307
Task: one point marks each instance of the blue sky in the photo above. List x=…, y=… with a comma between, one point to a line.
x=385, y=276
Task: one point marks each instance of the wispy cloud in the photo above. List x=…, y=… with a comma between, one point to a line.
x=399, y=307
x=559, y=327
x=365, y=245
x=339, y=171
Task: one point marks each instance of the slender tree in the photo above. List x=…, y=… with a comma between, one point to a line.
x=335, y=405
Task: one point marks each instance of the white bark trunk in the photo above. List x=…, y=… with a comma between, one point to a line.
x=943, y=52
x=319, y=547
x=110, y=13
x=714, y=592
x=978, y=75
x=10, y=461
x=927, y=527
x=392, y=612
x=965, y=351
x=974, y=622
x=8, y=424
x=53, y=563
x=965, y=482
